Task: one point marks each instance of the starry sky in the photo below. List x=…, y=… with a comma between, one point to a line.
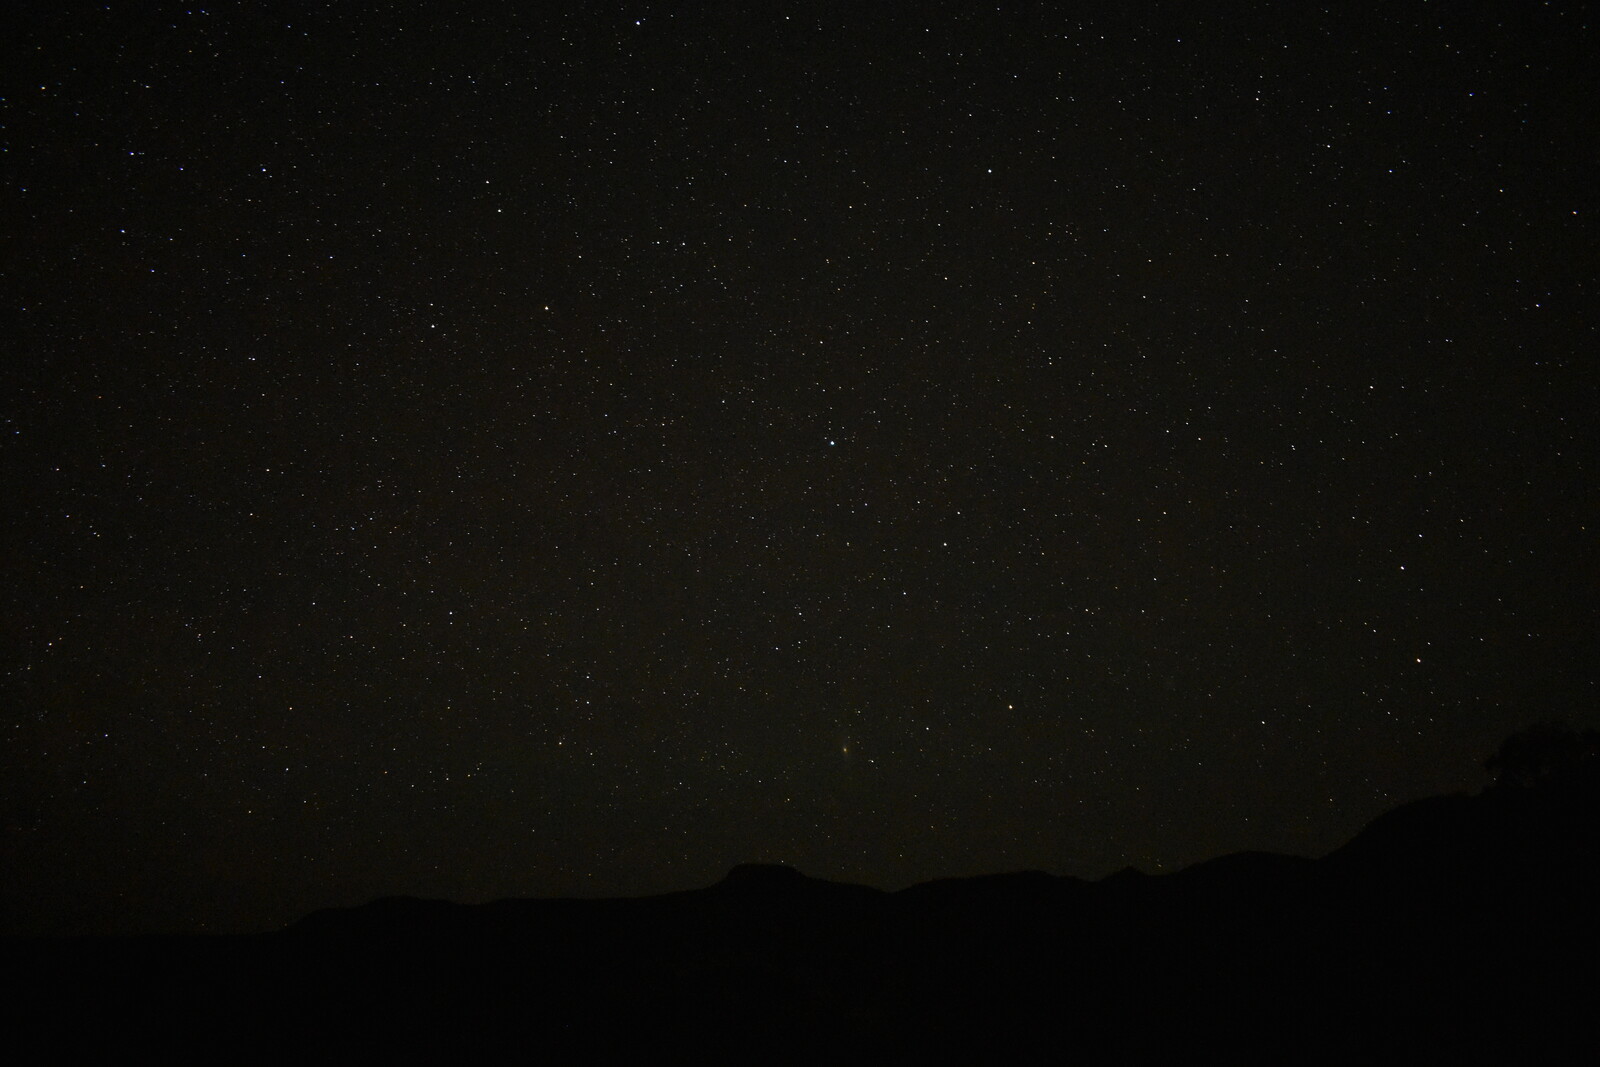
x=521, y=452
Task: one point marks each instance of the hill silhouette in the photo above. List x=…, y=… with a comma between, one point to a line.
x=1454, y=928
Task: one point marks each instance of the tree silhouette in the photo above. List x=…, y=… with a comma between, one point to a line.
x=1546, y=754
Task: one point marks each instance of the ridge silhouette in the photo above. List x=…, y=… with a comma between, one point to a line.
x=1455, y=927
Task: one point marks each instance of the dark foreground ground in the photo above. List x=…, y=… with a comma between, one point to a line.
x=1460, y=929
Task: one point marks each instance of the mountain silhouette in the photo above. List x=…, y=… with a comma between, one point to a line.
x=1459, y=927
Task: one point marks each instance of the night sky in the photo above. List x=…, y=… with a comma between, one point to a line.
x=525, y=453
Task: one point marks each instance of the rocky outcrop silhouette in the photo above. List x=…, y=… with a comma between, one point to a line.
x=1458, y=927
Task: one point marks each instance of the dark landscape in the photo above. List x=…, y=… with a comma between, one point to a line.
x=1451, y=929
x=815, y=532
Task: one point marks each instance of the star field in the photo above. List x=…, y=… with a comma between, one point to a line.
x=517, y=454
